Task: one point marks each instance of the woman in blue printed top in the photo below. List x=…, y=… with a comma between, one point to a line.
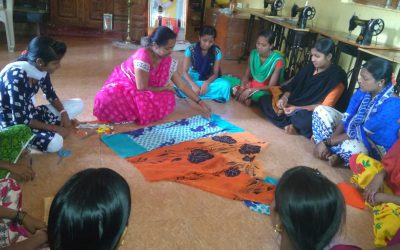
x=369, y=124
x=20, y=81
x=202, y=67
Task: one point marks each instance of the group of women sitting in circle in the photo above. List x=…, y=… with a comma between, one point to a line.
x=142, y=90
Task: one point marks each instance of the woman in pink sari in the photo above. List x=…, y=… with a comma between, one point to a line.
x=140, y=89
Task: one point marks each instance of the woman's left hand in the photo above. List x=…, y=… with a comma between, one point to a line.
x=205, y=109
x=204, y=88
x=374, y=186
x=65, y=121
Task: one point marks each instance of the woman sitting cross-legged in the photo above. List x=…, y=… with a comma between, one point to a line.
x=319, y=82
x=369, y=124
x=266, y=68
x=20, y=82
x=141, y=89
x=202, y=68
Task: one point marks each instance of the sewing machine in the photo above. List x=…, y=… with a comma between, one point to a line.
x=369, y=28
x=305, y=13
x=276, y=5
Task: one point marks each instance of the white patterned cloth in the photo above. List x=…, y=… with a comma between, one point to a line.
x=324, y=122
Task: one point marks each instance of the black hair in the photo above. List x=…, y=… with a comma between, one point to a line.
x=160, y=36
x=269, y=35
x=45, y=48
x=379, y=68
x=208, y=30
x=90, y=211
x=325, y=46
x=310, y=207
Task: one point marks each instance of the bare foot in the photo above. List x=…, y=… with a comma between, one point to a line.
x=291, y=130
x=335, y=161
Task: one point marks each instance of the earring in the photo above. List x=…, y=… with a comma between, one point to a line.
x=278, y=229
x=122, y=239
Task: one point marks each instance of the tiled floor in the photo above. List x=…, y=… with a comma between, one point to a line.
x=167, y=215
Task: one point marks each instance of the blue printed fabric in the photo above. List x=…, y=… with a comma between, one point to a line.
x=145, y=139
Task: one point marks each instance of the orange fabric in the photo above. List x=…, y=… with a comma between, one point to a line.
x=276, y=93
x=391, y=163
x=333, y=96
x=260, y=85
x=228, y=171
x=351, y=195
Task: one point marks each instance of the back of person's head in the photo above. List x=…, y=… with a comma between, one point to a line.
x=45, y=48
x=325, y=46
x=160, y=36
x=380, y=69
x=208, y=30
x=90, y=211
x=310, y=207
x=269, y=35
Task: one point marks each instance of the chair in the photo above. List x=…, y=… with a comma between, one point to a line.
x=6, y=16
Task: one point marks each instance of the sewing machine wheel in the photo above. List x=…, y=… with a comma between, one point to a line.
x=376, y=26
x=278, y=4
x=309, y=12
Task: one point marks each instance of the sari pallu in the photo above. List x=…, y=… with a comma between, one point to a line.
x=204, y=65
x=261, y=72
x=308, y=88
x=372, y=120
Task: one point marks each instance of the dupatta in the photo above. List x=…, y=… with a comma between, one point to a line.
x=261, y=72
x=204, y=65
x=367, y=107
x=307, y=88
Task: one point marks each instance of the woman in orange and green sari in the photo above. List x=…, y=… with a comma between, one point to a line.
x=266, y=68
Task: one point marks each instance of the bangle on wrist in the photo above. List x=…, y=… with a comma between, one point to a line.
x=63, y=111
x=19, y=217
